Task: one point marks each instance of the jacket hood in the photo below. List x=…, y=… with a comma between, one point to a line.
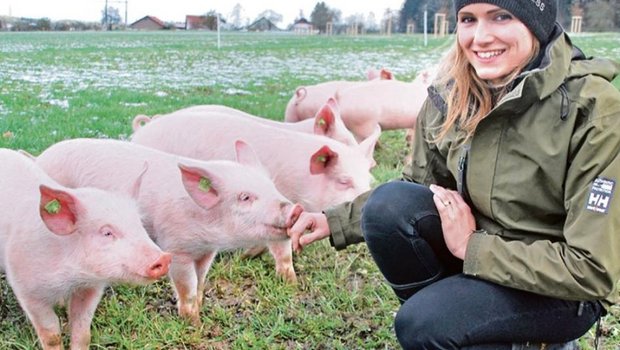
x=563, y=61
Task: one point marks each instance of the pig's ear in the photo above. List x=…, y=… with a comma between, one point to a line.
x=58, y=210
x=386, y=74
x=199, y=185
x=325, y=118
x=322, y=160
x=367, y=146
x=300, y=93
x=135, y=188
x=371, y=74
x=245, y=155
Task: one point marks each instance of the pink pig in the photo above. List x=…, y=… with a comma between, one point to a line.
x=391, y=104
x=312, y=170
x=191, y=208
x=307, y=100
x=63, y=246
x=326, y=120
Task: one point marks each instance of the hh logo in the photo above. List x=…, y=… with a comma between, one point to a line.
x=600, y=195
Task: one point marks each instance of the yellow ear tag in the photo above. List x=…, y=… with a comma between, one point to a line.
x=204, y=184
x=53, y=207
x=322, y=122
x=321, y=159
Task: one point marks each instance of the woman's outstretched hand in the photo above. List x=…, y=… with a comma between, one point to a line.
x=308, y=228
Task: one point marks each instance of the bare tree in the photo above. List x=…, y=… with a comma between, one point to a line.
x=236, y=16
x=110, y=16
x=371, y=22
x=271, y=15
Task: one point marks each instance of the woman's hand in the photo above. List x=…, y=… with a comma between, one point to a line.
x=457, y=221
x=315, y=223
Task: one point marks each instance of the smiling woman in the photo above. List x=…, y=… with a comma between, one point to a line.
x=501, y=235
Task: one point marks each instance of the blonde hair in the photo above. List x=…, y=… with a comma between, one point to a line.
x=469, y=98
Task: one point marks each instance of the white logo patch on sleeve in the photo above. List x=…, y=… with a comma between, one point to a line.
x=600, y=195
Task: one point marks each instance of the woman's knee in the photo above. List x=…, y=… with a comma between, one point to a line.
x=382, y=205
x=393, y=200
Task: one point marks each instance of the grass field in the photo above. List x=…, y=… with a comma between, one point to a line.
x=56, y=86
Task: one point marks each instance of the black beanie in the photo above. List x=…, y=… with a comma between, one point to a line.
x=538, y=15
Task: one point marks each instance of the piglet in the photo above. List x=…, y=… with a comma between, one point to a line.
x=312, y=170
x=308, y=99
x=191, y=208
x=388, y=103
x=62, y=246
x=391, y=104
x=326, y=120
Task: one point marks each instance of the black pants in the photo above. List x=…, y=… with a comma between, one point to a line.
x=441, y=307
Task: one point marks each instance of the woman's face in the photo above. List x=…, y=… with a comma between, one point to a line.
x=494, y=41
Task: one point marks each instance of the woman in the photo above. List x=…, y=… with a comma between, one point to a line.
x=506, y=229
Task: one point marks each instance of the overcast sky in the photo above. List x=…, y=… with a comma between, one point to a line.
x=175, y=10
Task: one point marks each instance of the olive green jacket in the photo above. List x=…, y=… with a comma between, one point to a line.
x=540, y=174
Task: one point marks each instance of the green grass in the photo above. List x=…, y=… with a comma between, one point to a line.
x=65, y=85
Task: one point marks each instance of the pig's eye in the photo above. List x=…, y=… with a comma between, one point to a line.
x=107, y=232
x=245, y=197
x=345, y=182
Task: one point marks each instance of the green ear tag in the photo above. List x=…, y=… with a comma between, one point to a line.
x=322, y=122
x=321, y=159
x=53, y=207
x=204, y=184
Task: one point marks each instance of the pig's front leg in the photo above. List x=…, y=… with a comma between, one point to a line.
x=283, y=255
x=202, y=268
x=184, y=279
x=45, y=323
x=81, y=311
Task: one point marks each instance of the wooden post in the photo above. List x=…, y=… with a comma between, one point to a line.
x=575, y=24
x=329, y=28
x=410, y=27
x=440, y=25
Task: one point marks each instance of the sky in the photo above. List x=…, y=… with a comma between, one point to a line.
x=175, y=10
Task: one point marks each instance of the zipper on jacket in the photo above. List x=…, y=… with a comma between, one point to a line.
x=565, y=102
x=461, y=182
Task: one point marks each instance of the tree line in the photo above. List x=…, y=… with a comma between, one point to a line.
x=597, y=15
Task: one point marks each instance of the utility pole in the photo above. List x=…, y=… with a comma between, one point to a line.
x=425, y=25
x=218, y=31
x=106, y=20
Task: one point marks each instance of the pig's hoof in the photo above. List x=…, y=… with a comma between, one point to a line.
x=289, y=276
x=193, y=320
x=191, y=314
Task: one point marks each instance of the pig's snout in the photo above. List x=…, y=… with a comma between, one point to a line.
x=160, y=267
x=293, y=214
